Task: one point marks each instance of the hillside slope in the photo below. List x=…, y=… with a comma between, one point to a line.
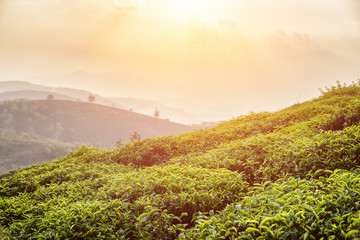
x=15, y=90
x=81, y=122
x=291, y=174
x=23, y=151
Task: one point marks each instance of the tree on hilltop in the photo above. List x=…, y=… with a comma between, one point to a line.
x=156, y=113
x=118, y=142
x=135, y=137
x=91, y=98
x=50, y=97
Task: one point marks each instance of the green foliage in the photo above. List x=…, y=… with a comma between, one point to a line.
x=24, y=150
x=292, y=174
x=319, y=113
x=82, y=200
x=292, y=151
x=291, y=208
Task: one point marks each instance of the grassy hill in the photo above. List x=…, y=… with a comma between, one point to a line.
x=85, y=123
x=291, y=174
x=23, y=151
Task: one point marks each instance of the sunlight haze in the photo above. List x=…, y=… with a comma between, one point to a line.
x=215, y=59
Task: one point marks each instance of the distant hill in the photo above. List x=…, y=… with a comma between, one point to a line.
x=12, y=86
x=85, y=123
x=33, y=95
x=23, y=151
x=10, y=90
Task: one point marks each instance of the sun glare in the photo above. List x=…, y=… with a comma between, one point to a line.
x=183, y=10
x=198, y=7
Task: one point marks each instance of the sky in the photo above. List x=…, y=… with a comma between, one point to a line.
x=216, y=59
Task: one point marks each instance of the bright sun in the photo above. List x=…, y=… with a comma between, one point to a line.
x=198, y=7
x=183, y=10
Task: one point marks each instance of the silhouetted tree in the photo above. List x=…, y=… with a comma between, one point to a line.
x=118, y=142
x=91, y=98
x=134, y=137
x=156, y=113
x=50, y=97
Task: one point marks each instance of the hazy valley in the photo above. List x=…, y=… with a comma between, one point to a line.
x=40, y=123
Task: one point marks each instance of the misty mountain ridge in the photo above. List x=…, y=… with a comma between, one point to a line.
x=11, y=90
x=75, y=94
x=147, y=107
x=33, y=95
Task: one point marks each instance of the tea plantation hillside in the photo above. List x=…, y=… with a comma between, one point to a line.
x=291, y=174
x=23, y=151
x=86, y=123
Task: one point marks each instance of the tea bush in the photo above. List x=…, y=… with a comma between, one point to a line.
x=290, y=208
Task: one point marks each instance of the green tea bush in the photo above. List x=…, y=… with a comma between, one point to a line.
x=149, y=152
x=295, y=150
x=165, y=198
x=291, y=208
